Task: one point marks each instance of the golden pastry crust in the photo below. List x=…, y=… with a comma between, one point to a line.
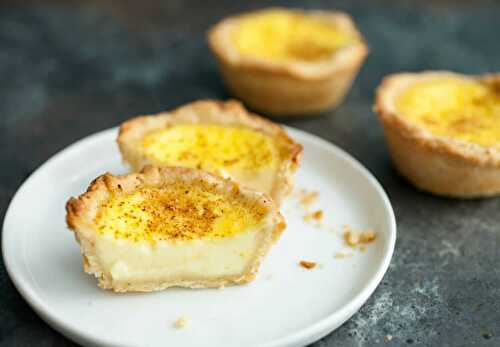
x=292, y=87
x=212, y=112
x=440, y=165
x=81, y=211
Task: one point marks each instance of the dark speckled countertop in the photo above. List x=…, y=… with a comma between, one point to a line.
x=71, y=68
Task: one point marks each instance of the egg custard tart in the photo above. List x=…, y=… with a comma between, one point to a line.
x=443, y=131
x=286, y=61
x=169, y=227
x=218, y=137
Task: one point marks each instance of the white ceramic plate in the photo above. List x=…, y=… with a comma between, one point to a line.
x=285, y=306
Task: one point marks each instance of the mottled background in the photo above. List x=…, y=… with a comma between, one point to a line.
x=71, y=68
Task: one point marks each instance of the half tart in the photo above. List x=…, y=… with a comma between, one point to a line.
x=169, y=227
x=286, y=61
x=443, y=131
x=219, y=137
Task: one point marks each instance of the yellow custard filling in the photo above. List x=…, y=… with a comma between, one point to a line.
x=283, y=35
x=177, y=212
x=212, y=148
x=454, y=107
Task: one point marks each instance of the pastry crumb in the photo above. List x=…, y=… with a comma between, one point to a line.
x=388, y=338
x=356, y=238
x=316, y=215
x=307, y=264
x=350, y=238
x=340, y=255
x=181, y=322
x=307, y=198
x=368, y=236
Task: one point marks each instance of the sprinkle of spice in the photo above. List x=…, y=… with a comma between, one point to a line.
x=179, y=211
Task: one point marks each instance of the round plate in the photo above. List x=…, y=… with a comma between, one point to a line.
x=286, y=305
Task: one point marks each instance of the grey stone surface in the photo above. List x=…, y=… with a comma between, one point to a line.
x=67, y=71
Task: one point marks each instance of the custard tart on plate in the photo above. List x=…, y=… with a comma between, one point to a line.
x=443, y=130
x=287, y=61
x=169, y=227
x=219, y=137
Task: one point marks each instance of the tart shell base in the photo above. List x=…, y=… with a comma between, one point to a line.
x=439, y=172
x=283, y=95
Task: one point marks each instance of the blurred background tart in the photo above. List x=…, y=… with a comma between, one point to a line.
x=287, y=61
x=443, y=130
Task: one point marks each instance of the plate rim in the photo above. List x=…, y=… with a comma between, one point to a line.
x=303, y=336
